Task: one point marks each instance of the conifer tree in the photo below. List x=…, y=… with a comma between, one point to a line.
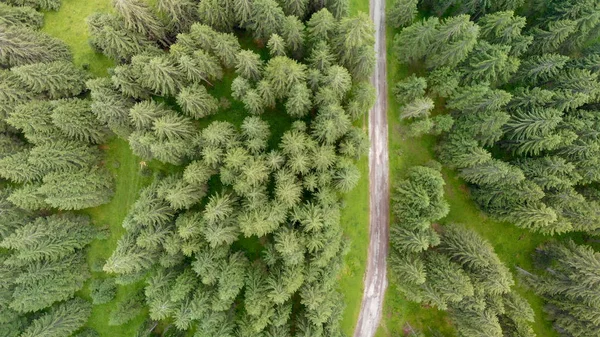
x=22, y=46
x=62, y=320
x=139, y=17
x=267, y=18
x=402, y=13
x=56, y=80
x=196, y=102
x=75, y=119
x=79, y=189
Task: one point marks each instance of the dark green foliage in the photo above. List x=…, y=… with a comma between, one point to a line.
x=102, y=290
x=402, y=12
x=127, y=309
x=569, y=286
x=22, y=46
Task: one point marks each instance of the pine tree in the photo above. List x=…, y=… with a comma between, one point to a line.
x=49, y=238
x=182, y=14
x=62, y=156
x=569, y=286
x=414, y=41
x=493, y=172
x=402, y=13
x=200, y=66
x=139, y=17
x=276, y=45
x=293, y=33
x=173, y=127
x=126, y=309
x=46, y=282
x=26, y=16
x=354, y=45
x=548, y=41
x=267, y=18
x=75, y=119
x=226, y=47
x=543, y=68
x=79, y=189
x=22, y=46
x=56, y=80
x=110, y=106
x=159, y=75
x=109, y=35
x=249, y=65
x=243, y=12
x=282, y=74
x=419, y=108
x=410, y=88
x=490, y=63
x=321, y=25
x=218, y=14
x=62, y=320
x=126, y=79
x=196, y=102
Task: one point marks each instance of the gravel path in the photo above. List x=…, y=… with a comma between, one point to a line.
x=375, y=278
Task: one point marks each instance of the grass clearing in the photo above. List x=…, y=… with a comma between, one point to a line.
x=68, y=24
x=355, y=222
x=514, y=246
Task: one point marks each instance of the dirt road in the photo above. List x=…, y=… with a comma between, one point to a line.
x=375, y=277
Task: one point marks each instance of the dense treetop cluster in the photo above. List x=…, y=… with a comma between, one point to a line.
x=521, y=95
x=512, y=90
x=244, y=238
x=189, y=234
x=450, y=267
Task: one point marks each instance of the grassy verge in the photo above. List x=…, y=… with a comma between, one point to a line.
x=355, y=222
x=514, y=246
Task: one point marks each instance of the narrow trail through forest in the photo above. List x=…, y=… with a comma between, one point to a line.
x=379, y=189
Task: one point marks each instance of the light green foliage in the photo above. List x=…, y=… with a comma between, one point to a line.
x=75, y=119
x=26, y=16
x=56, y=80
x=267, y=18
x=196, y=102
x=62, y=320
x=139, y=17
x=77, y=190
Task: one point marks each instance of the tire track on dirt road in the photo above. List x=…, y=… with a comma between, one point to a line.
x=375, y=280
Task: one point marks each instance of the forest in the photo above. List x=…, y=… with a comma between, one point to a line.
x=243, y=123
x=239, y=233
x=507, y=94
